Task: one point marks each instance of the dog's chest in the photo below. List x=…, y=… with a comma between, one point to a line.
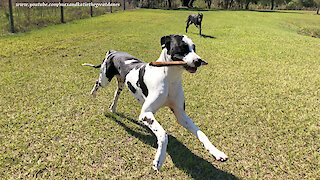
x=135, y=81
x=147, y=82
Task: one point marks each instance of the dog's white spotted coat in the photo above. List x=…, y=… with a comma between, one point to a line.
x=164, y=85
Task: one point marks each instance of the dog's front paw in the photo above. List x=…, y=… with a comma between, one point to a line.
x=111, y=110
x=93, y=93
x=156, y=166
x=220, y=156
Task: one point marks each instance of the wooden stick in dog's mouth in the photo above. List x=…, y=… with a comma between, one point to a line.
x=170, y=63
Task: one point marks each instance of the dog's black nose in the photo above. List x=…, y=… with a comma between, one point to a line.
x=199, y=62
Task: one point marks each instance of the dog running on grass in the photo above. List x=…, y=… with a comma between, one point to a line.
x=196, y=20
x=155, y=87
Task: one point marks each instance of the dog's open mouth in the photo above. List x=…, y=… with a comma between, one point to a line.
x=191, y=69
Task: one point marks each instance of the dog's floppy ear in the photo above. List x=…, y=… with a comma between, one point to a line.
x=165, y=42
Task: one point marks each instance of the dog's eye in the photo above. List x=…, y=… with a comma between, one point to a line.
x=177, y=57
x=185, y=50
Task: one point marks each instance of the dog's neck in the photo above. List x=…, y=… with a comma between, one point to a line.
x=164, y=57
x=175, y=72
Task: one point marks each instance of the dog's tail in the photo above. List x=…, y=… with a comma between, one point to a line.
x=98, y=66
x=91, y=65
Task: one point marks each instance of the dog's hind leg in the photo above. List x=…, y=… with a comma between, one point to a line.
x=107, y=72
x=95, y=89
x=102, y=81
x=186, y=122
x=116, y=95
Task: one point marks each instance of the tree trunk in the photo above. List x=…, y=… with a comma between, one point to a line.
x=247, y=4
x=318, y=10
x=169, y=2
x=231, y=3
x=272, y=4
x=11, y=16
x=61, y=12
x=185, y=2
x=190, y=4
x=209, y=4
x=91, y=10
x=226, y=2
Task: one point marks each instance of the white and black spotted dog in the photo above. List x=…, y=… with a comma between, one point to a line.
x=155, y=87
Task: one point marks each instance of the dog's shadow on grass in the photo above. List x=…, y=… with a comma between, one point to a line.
x=206, y=36
x=182, y=157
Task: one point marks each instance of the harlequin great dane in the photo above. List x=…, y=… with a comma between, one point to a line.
x=155, y=87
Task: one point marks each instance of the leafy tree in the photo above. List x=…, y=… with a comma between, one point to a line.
x=307, y=3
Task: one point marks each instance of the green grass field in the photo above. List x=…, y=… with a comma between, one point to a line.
x=258, y=100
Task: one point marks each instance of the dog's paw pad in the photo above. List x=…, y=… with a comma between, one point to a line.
x=156, y=165
x=155, y=168
x=221, y=157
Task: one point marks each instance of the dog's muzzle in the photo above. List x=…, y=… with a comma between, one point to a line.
x=197, y=63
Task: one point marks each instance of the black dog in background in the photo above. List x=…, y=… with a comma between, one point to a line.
x=196, y=20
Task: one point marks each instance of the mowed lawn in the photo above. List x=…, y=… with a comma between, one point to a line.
x=258, y=100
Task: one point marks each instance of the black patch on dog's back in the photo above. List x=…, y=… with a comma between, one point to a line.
x=140, y=82
x=131, y=88
x=111, y=70
x=119, y=59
